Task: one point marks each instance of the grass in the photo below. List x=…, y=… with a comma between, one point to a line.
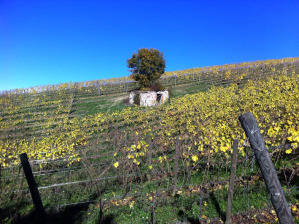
x=83, y=107
x=178, y=208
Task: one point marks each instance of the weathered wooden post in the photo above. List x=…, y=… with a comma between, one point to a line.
x=176, y=163
x=231, y=182
x=32, y=184
x=262, y=156
x=0, y=179
x=212, y=83
x=99, y=88
x=150, y=155
x=111, y=131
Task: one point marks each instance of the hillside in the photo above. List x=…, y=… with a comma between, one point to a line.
x=91, y=152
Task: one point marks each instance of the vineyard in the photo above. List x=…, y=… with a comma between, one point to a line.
x=97, y=159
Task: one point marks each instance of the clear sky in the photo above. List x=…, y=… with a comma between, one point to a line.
x=56, y=41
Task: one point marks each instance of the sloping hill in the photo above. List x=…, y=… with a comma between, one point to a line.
x=91, y=146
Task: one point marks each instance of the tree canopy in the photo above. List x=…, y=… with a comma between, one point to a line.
x=147, y=66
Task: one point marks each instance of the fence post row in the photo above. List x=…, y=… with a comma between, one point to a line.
x=231, y=182
x=32, y=184
x=262, y=156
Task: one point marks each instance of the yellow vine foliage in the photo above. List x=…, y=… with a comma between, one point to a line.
x=209, y=119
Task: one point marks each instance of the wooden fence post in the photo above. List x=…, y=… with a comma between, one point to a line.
x=176, y=163
x=262, y=156
x=212, y=83
x=0, y=179
x=231, y=182
x=150, y=152
x=111, y=131
x=32, y=184
x=150, y=155
x=99, y=88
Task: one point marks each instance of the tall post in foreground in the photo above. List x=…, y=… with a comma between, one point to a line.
x=31, y=183
x=262, y=156
x=231, y=183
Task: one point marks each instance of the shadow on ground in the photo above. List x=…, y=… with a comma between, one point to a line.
x=70, y=214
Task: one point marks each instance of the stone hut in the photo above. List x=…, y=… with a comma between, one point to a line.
x=149, y=98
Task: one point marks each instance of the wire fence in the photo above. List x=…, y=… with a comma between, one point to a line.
x=206, y=179
x=200, y=80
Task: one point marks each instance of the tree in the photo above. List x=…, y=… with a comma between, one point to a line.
x=147, y=66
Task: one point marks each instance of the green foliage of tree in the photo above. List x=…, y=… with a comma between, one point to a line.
x=147, y=66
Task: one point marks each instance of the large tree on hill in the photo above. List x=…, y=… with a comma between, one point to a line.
x=147, y=66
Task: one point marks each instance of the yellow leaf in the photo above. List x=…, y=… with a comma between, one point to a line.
x=288, y=151
x=200, y=148
x=132, y=204
x=194, y=158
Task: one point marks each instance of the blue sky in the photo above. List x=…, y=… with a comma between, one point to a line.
x=55, y=41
